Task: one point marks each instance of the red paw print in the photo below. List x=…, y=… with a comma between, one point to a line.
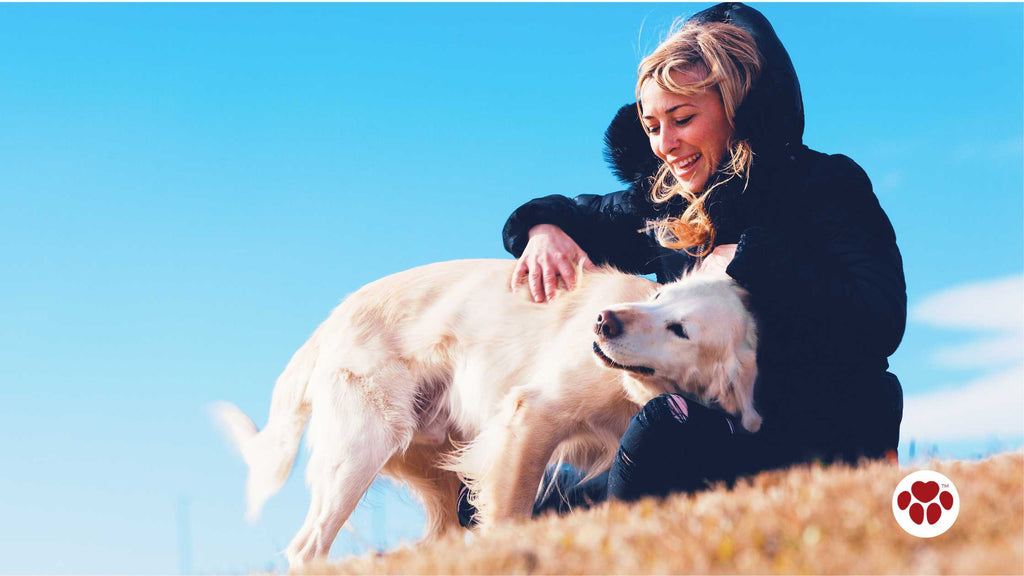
x=924, y=493
x=925, y=504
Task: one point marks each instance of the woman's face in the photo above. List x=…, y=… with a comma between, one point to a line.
x=689, y=133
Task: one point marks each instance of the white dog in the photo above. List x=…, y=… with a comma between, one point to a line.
x=440, y=374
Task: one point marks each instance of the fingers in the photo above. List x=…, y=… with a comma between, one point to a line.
x=519, y=273
x=543, y=279
x=566, y=271
x=726, y=251
x=550, y=282
x=719, y=259
x=536, y=283
x=549, y=255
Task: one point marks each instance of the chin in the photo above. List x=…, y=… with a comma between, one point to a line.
x=692, y=183
x=693, y=186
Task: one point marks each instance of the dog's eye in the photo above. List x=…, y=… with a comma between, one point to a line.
x=656, y=295
x=678, y=330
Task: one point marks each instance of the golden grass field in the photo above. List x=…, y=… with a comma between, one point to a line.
x=806, y=520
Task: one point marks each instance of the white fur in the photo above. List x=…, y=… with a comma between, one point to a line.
x=440, y=374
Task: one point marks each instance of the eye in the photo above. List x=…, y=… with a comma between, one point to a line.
x=651, y=129
x=684, y=121
x=656, y=295
x=678, y=330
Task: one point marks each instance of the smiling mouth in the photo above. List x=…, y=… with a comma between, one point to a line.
x=687, y=164
x=612, y=363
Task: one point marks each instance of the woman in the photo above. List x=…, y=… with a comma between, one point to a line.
x=730, y=185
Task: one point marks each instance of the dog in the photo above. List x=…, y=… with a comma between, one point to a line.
x=440, y=375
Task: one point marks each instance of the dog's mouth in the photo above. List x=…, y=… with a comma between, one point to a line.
x=612, y=363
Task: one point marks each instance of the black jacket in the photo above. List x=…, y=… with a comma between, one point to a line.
x=815, y=251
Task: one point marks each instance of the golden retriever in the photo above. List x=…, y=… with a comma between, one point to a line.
x=440, y=374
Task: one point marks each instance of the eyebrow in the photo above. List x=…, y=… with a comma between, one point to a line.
x=672, y=109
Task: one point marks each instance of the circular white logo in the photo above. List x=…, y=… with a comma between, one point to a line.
x=925, y=504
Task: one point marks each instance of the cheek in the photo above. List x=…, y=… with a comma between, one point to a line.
x=711, y=142
x=711, y=137
x=674, y=353
x=722, y=137
x=657, y=350
x=655, y=146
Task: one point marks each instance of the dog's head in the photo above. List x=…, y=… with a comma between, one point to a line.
x=696, y=336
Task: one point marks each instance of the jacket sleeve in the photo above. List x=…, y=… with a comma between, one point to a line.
x=607, y=227
x=842, y=287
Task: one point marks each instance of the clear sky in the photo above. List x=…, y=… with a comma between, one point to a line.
x=186, y=190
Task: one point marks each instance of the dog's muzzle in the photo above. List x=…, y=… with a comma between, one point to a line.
x=612, y=363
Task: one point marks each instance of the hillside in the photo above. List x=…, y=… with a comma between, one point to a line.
x=806, y=520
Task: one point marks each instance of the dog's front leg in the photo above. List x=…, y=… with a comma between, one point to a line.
x=531, y=434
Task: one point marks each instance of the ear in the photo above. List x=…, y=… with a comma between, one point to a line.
x=732, y=385
x=742, y=389
x=734, y=375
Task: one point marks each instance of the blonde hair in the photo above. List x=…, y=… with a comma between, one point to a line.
x=728, y=55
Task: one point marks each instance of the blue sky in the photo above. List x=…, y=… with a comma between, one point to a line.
x=187, y=189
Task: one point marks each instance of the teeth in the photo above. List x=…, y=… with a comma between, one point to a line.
x=687, y=162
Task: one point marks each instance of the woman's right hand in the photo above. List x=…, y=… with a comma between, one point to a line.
x=550, y=255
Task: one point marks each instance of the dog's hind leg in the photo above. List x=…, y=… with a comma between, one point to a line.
x=437, y=488
x=351, y=437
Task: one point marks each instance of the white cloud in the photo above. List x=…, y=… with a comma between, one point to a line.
x=991, y=305
x=991, y=406
x=982, y=353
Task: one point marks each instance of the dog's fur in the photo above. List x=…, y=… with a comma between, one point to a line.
x=440, y=374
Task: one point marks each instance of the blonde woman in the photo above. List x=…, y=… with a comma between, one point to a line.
x=730, y=185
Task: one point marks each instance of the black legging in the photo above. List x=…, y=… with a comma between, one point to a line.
x=673, y=445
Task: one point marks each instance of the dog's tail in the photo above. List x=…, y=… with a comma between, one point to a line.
x=270, y=453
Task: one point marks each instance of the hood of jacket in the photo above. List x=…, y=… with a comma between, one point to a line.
x=771, y=117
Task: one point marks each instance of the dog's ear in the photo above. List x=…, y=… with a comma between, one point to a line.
x=746, y=376
x=732, y=385
x=734, y=375
x=742, y=389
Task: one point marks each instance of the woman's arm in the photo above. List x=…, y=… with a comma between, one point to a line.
x=607, y=227
x=604, y=229
x=841, y=283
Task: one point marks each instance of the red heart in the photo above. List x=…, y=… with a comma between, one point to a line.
x=925, y=491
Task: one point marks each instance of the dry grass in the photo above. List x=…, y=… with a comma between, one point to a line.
x=806, y=520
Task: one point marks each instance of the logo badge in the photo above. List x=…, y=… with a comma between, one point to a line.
x=925, y=504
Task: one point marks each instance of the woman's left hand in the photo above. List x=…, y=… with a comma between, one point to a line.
x=719, y=259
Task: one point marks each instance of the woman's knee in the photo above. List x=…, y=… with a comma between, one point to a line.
x=661, y=418
x=651, y=449
x=670, y=445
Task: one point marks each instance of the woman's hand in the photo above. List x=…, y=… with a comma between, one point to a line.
x=550, y=255
x=719, y=259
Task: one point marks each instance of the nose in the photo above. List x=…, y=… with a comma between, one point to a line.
x=608, y=325
x=664, y=142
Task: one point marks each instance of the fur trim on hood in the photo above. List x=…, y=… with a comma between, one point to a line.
x=627, y=148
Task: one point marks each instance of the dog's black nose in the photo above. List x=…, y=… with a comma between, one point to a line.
x=608, y=324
